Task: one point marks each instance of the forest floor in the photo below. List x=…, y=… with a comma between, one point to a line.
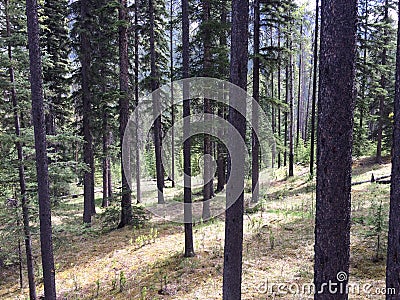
x=147, y=262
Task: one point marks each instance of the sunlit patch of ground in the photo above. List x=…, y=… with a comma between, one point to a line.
x=147, y=263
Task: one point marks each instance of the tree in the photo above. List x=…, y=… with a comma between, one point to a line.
x=187, y=170
x=21, y=167
x=393, y=248
x=232, y=274
x=88, y=156
x=126, y=201
x=154, y=82
x=207, y=109
x=334, y=148
x=255, y=151
x=136, y=59
x=314, y=94
x=36, y=80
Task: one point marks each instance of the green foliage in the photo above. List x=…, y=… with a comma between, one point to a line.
x=111, y=215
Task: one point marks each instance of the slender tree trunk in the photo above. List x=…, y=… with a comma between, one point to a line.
x=287, y=101
x=255, y=153
x=314, y=95
x=172, y=97
x=393, y=249
x=187, y=192
x=221, y=113
x=364, y=80
x=207, y=109
x=106, y=167
x=299, y=96
x=156, y=108
x=279, y=93
x=305, y=134
x=36, y=80
x=88, y=156
x=383, y=87
x=232, y=274
x=21, y=171
x=334, y=151
x=137, y=153
x=220, y=155
x=291, y=106
x=126, y=201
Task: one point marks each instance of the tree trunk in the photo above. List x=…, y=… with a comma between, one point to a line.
x=106, y=167
x=36, y=80
x=255, y=153
x=279, y=93
x=187, y=170
x=299, y=96
x=172, y=97
x=393, y=249
x=334, y=147
x=207, y=109
x=21, y=170
x=156, y=108
x=126, y=201
x=383, y=87
x=291, y=106
x=137, y=153
x=314, y=95
x=232, y=274
x=88, y=156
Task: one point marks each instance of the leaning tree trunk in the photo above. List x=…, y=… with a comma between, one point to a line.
x=334, y=147
x=255, y=150
x=21, y=170
x=187, y=170
x=393, y=249
x=126, y=201
x=36, y=80
x=232, y=274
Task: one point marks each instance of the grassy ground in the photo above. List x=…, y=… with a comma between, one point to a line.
x=147, y=262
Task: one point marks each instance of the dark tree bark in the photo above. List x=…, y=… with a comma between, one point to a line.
x=299, y=95
x=21, y=171
x=291, y=106
x=137, y=165
x=334, y=148
x=393, y=249
x=383, y=87
x=207, y=109
x=220, y=155
x=314, y=95
x=156, y=108
x=126, y=201
x=106, y=162
x=287, y=101
x=187, y=170
x=88, y=157
x=232, y=274
x=171, y=31
x=255, y=152
x=221, y=164
x=279, y=93
x=36, y=80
